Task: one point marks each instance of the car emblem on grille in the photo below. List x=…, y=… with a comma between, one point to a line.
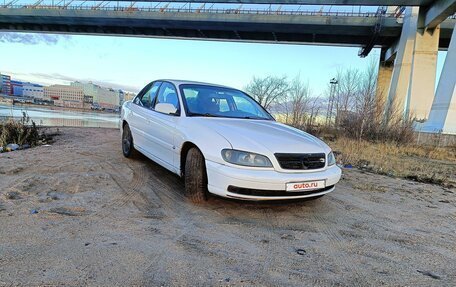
x=322, y=160
x=303, y=164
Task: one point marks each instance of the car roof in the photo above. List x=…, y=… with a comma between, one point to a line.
x=186, y=82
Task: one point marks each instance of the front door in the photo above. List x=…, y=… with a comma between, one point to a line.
x=141, y=113
x=163, y=126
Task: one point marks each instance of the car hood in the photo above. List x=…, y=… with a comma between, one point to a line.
x=263, y=136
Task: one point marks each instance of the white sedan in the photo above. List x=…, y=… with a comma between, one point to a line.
x=223, y=142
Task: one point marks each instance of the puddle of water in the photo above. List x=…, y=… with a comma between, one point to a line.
x=47, y=117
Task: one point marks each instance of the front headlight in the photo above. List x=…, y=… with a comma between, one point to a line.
x=331, y=159
x=245, y=158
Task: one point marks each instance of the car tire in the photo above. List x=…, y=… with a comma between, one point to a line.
x=128, y=148
x=195, y=176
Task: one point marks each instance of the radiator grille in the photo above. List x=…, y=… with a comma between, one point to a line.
x=301, y=161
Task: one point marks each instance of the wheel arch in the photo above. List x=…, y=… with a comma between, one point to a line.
x=186, y=146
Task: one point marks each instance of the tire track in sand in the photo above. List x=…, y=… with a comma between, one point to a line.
x=336, y=246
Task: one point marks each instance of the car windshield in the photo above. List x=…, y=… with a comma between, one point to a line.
x=210, y=101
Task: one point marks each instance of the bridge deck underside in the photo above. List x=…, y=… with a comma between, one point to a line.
x=330, y=30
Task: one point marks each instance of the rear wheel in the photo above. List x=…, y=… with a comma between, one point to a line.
x=128, y=149
x=195, y=176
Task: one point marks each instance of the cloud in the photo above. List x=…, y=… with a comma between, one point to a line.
x=31, y=39
x=54, y=76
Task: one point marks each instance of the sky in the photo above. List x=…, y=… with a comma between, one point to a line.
x=130, y=63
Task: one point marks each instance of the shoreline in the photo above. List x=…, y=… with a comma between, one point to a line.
x=55, y=108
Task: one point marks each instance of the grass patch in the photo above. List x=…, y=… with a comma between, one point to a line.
x=429, y=164
x=23, y=132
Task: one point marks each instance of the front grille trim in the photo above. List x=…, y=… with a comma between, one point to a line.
x=301, y=161
x=274, y=193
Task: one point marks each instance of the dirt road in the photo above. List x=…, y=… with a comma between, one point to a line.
x=78, y=213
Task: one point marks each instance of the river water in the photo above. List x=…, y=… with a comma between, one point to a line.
x=47, y=117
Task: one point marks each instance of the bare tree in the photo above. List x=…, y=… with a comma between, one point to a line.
x=346, y=92
x=365, y=102
x=314, y=111
x=361, y=112
x=298, y=100
x=268, y=91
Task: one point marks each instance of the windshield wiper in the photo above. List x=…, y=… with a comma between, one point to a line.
x=221, y=116
x=253, y=118
x=202, y=115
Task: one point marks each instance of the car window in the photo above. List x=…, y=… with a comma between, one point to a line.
x=213, y=101
x=137, y=99
x=243, y=104
x=167, y=94
x=149, y=96
x=223, y=105
x=190, y=97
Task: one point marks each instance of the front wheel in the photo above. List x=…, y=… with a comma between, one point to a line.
x=195, y=176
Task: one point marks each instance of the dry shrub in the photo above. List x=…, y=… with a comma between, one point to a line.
x=358, y=127
x=363, y=112
x=19, y=132
x=372, y=116
x=420, y=163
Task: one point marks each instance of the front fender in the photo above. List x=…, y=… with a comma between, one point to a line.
x=207, y=140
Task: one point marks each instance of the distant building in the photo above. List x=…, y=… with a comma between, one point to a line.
x=128, y=96
x=33, y=91
x=102, y=97
x=108, y=98
x=121, y=96
x=88, y=99
x=65, y=96
x=89, y=89
x=17, y=88
x=5, y=84
x=26, y=89
x=88, y=102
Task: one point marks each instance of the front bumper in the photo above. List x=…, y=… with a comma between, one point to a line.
x=248, y=184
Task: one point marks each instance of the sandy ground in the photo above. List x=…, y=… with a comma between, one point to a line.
x=103, y=220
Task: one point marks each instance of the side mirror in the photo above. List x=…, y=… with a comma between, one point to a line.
x=165, y=108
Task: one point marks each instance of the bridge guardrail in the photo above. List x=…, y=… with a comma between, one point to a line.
x=199, y=11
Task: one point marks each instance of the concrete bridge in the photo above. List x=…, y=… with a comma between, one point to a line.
x=409, y=39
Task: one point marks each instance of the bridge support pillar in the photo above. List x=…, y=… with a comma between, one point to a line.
x=400, y=80
x=385, y=72
x=423, y=74
x=442, y=117
x=413, y=81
